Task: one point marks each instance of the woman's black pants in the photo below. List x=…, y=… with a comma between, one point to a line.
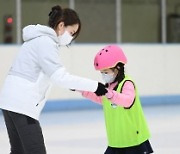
x=25, y=134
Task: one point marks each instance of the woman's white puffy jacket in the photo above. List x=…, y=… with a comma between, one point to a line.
x=36, y=66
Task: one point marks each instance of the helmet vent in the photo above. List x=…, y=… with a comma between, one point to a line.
x=106, y=50
x=100, y=53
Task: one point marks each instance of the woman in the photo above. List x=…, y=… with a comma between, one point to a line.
x=37, y=65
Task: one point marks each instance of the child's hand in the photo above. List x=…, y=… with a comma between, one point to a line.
x=109, y=94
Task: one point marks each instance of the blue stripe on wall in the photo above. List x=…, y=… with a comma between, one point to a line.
x=80, y=104
x=75, y=104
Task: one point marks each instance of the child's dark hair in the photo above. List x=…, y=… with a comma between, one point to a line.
x=66, y=15
x=120, y=76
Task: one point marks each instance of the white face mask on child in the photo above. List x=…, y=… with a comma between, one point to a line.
x=108, y=78
x=65, y=38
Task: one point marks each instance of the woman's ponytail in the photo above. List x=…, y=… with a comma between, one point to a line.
x=55, y=16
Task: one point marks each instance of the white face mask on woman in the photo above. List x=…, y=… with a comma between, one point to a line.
x=65, y=38
x=108, y=78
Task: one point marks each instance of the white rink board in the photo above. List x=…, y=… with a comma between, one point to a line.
x=154, y=67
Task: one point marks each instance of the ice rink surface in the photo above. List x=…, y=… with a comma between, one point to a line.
x=83, y=131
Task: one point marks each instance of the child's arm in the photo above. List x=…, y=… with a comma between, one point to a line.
x=92, y=96
x=125, y=98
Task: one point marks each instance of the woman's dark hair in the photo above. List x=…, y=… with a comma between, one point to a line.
x=120, y=76
x=66, y=15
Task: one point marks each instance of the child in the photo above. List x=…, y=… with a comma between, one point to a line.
x=126, y=127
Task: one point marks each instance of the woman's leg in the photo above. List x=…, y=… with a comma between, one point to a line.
x=15, y=142
x=29, y=132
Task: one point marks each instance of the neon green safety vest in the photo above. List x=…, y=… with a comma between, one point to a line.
x=125, y=126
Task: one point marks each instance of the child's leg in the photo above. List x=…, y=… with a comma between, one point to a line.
x=111, y=150
x=143, y=148
x=29, y=133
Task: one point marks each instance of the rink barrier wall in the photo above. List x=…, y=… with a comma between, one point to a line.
x=153, y=67
x=84, y=104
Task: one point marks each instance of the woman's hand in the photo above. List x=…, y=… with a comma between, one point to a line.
x=101, y=89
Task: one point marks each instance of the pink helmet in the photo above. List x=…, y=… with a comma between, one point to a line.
x=109, y=57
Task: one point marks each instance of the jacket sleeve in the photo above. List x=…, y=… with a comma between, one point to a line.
x=49, y=61
x=92, y=96
x=125, y=98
